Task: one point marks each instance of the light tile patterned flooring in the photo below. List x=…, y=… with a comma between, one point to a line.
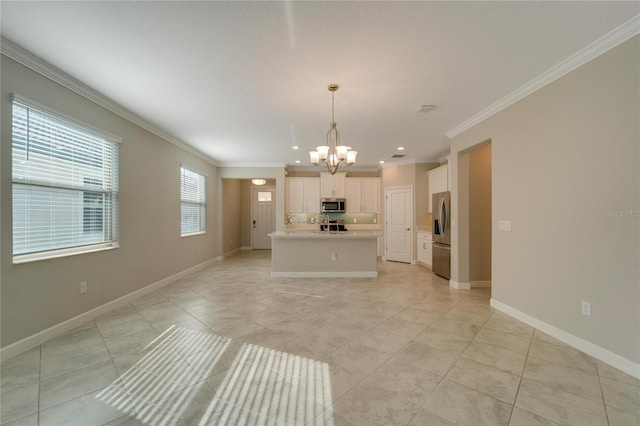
x=230, y=345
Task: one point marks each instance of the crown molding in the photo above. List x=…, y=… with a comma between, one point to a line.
x=444, y=159
x=597, y=48
x=29, y=60
x=253, y=165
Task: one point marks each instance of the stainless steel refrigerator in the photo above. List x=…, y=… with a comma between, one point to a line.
x=442, y=234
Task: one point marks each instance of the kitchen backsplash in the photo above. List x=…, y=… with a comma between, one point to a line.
x=311, y=219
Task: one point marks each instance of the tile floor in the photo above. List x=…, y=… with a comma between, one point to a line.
x=230, y=345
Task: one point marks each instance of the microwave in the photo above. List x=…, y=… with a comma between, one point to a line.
x=333, y=205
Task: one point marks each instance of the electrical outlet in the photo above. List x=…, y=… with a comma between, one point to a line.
x=355, y=220
x=334, y=256
x=83, y=287
x=586, y=308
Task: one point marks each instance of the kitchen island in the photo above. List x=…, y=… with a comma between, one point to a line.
x=324, y=254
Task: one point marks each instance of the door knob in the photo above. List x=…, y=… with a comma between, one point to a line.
x=408, y=229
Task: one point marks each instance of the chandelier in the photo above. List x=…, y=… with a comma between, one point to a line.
x=333, y=155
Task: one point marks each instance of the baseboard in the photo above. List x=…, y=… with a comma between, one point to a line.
x=230, y=252
x=480, y=284
x=459, y=286
x=40, y=337
x=600, y=353
x=423, y=264
x=325, y=274
x=246, y=248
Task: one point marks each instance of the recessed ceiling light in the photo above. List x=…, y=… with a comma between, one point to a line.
x=381, y=161
x=295, y=147
x=297, y=161
x=426, y=108
x=401, y=148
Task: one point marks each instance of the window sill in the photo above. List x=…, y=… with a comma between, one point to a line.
x=55, y=254
x=193, y=233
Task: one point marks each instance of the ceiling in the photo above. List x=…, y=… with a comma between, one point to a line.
x=243, y=82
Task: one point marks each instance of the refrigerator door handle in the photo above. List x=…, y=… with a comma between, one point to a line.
x=442, y=217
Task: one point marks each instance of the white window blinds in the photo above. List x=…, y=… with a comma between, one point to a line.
x=65, y=184
x=193, y=202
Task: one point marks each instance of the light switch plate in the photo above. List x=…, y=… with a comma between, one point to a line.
x=504, y=225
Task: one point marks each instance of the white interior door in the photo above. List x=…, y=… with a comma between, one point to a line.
x=398, y=226
x=263, y=220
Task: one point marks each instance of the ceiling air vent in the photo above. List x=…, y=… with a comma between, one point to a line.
x=397, y=156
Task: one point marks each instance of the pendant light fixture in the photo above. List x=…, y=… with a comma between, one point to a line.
x=333, y=155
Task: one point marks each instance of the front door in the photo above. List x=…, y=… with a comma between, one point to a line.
x=399, y=218
x=263, y=221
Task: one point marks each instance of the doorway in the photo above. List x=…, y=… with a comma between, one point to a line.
x=263, y=219
x=399, y=223
x=475, y=195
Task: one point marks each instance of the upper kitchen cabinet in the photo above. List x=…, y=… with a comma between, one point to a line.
x=438, y=181
x=332, y=186
x=303, y=195
x=363, y=195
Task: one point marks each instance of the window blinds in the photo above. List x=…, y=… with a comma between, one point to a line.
x=65, y=183
x=193, y=202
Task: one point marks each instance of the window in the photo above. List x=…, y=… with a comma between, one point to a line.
x=93, y=208
x=65, y=185
x=264, y=197
x=193, y=202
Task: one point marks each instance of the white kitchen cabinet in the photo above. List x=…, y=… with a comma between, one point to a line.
x=332, y=186
x=438, y=181
x=424, y=249
x=303, y=195
x=363, y=195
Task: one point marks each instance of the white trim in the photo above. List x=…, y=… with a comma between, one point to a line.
x=260, y=165
x=230, y=252
x=21, y=100
x=191, y=234
x=246, y=248
x=598, y=352
x=56, y=254
x=325, y=274
x=193, y=169
x=38, y=65
x=480, y=284
x=41, y=337
x=581, y=57
x=459, y=286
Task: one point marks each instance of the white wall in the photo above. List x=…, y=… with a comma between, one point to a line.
x=39, y=295
x=566, y=163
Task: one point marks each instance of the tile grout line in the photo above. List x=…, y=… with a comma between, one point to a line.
x=604, y=402
x=116, y=368
x=387, y=359
x=454, y=363
x=39, y=382
x=524, y=366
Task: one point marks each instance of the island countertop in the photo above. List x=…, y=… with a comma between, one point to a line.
x=326, y=234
